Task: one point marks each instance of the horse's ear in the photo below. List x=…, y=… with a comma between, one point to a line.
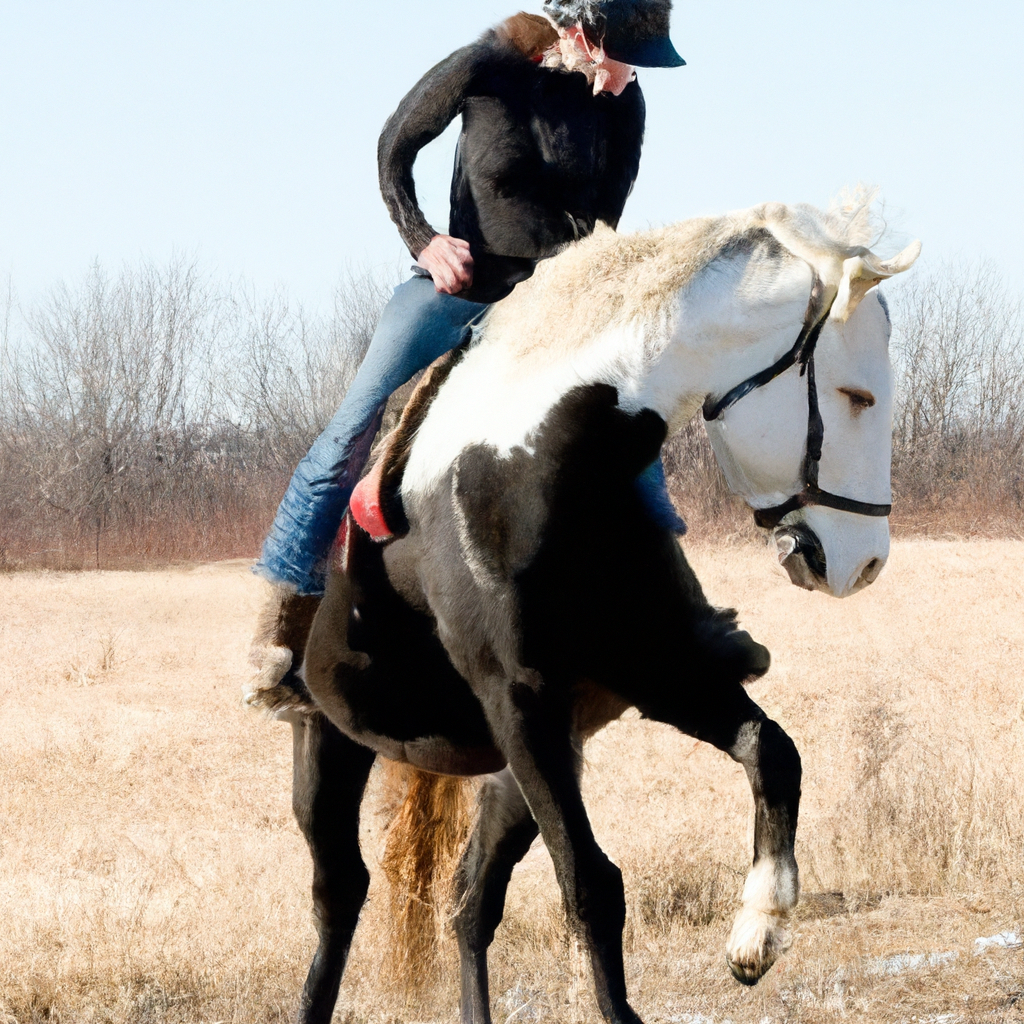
x=861, y=273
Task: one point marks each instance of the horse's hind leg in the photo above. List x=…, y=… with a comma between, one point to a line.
x=731, y=721
x=534, y=723
x=502, y=835
x=330, y=773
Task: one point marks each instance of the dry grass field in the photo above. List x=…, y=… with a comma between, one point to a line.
x=150, y=869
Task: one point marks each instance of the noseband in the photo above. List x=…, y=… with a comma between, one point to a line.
x=802, y=352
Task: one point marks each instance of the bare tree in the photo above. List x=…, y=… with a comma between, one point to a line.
x=109, y=391
x=154, y=397
x=958, y=355
x=295, y=369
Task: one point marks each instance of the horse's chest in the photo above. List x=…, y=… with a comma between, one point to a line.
x=493, y=509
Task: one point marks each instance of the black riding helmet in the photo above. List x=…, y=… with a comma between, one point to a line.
x=631, y=31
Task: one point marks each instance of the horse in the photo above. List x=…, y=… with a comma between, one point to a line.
x=529, y=591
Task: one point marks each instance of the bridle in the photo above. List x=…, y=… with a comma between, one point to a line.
x=802, y=352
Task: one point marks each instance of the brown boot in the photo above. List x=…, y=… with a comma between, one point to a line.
x=278, y=645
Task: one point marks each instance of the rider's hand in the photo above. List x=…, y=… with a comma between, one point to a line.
x=449, y=263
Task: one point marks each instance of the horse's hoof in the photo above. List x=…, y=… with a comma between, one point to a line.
x=743, y=973
x=757, y=941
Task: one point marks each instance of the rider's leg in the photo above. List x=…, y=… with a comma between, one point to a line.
x=417, y=325
x=653, y=488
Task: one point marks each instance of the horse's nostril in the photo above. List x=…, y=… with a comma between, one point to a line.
x=870, y=572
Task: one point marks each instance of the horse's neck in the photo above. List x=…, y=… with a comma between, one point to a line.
x=723, y=327
x=731, y=322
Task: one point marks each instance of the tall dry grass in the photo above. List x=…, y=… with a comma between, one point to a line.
x=150, y=869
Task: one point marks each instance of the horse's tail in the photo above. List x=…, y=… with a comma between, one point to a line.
x=421, y=852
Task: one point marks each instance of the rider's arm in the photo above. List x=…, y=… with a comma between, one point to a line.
x=625, y=138
x=423, y=114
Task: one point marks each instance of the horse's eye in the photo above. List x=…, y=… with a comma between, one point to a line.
x=859, y=399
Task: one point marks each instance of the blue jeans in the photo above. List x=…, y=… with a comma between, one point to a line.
x=417, y=326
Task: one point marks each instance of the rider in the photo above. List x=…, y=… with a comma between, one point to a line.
x=552, y=125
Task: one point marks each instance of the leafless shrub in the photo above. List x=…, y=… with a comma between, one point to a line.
x=958, y=430
x=153, y=416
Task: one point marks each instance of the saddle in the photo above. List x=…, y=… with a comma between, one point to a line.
x=376, y=501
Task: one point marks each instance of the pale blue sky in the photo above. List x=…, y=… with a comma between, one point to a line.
x=245, y=130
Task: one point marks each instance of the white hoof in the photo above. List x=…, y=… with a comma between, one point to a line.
x=757, y=940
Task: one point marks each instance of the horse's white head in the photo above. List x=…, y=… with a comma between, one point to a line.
x=809, y=449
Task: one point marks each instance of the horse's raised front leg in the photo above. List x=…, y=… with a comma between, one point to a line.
x=503, y=833
x=731, y=721
x=761, y=929
x=531, y=723
x=329, y=777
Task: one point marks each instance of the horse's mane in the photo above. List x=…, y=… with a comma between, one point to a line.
x=612, y=278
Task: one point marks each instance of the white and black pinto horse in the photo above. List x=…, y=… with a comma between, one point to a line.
x=529, y=596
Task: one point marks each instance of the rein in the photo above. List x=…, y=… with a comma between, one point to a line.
x=802, y=352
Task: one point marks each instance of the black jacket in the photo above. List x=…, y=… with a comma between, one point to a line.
x=540, y=158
